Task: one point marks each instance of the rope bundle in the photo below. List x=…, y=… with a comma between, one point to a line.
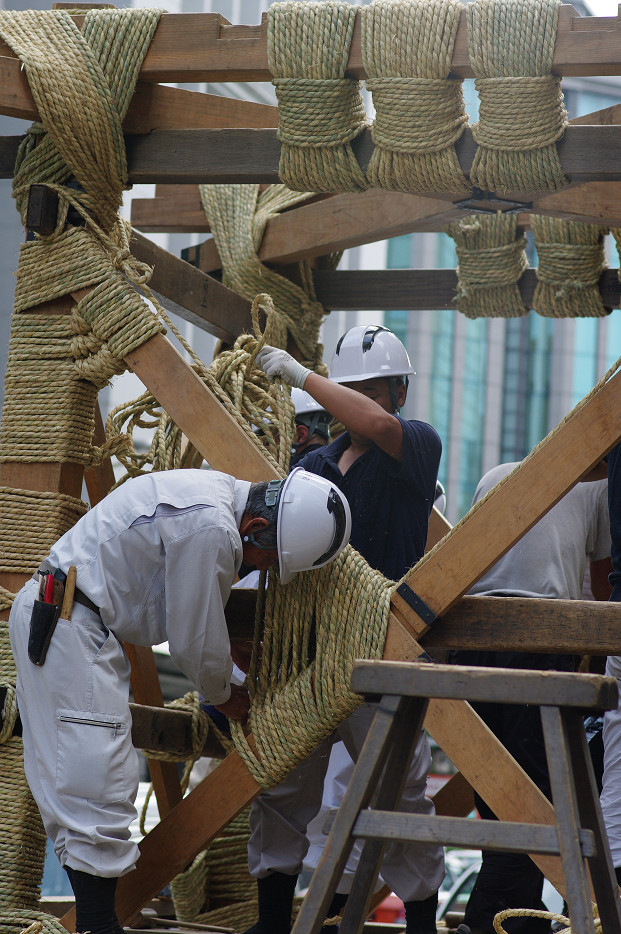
x=571, y=261
x=320, y=110
x=300, y=674
x=491, y=259
x=407, y=49
x=522, y=114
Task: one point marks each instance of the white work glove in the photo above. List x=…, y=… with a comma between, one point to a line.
x=275, y=362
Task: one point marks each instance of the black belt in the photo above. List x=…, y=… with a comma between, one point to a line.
x=78, y=595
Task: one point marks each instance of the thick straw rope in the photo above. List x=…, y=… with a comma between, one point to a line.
x=522, y=114
x=299, y=678
x=407, y=49
x=320, y=111
x=491, y=258
x=571, y=261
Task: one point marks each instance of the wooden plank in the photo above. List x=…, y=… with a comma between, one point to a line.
x=244, y=156
x=152, y=107
x=339, y=223
x=452, y=831
x=241, y=156
x=191, y=294
x=204, y=47
x=166, y=729
x=485, y=685
x=421, y=289
x=174, y=209
x=201, y=417
x=515, y=505
x=497, y=624
x=145, y=684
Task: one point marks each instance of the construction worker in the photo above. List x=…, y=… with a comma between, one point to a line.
x=387, y=468
x=156, y=560
x=312, y=425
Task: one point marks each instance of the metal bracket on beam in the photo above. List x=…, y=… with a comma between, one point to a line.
x=487, y=202
x=417, y=604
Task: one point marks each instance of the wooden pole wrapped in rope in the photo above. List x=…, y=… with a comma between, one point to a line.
x=522, y=114
x=407, y=49
x=320, y=110
x=571, y=261
x=491, y=258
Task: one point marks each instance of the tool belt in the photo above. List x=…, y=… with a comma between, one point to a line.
x=55, y=595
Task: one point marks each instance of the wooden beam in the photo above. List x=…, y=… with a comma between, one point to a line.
x=191, y=294
x=338, y=223
x=204, y=47
x=500, y=624
x=421, y=289
x=243, y=156
x=153, y=106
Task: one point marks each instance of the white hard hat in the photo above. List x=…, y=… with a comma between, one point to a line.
x=369, y=352
x=313, y=525
x=304, y=403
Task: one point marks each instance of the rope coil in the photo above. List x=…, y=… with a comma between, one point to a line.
x=571, y=261
x=320, y=110
x=407, y=49
x=491, y=259
x=522, y=113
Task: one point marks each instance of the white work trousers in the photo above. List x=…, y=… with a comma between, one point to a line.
x=610, y=798
x=279, y=817
x=79, y=759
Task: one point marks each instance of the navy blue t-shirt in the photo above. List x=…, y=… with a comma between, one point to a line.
x=390, y=501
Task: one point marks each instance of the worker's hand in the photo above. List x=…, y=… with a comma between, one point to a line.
x=238, y=704
x=279, y=363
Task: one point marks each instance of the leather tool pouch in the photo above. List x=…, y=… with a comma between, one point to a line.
x=42, y=624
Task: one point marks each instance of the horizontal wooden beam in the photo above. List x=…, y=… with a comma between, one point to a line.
x=243, y=156
x=421, y=289
x=162, y=729
x=500, y=624
x=153, y=106
x=204, y=47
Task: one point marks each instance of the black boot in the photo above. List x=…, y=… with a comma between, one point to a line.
x=420, y=917
x=336, y=908
x=275, y=904
x=94, y=903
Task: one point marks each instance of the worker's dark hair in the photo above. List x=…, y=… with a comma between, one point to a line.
x=258, y=508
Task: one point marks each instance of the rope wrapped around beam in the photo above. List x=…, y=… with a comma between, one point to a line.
x=522, y=114
x=571, y=261
x=407, y=49
x=320, y=110
x=491, y=258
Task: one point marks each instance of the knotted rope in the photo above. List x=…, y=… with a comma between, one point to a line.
x=407, y=50
x=320, y=110
x=571, y=261
x=522, y=114
x=491, y=259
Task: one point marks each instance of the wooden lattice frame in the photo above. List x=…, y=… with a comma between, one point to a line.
x=204, y=47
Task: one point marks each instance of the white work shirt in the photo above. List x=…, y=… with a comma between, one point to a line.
x=159, y=556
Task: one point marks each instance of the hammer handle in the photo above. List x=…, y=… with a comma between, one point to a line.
x=67, y=606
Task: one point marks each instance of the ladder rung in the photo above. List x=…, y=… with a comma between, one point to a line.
x=458, y=831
